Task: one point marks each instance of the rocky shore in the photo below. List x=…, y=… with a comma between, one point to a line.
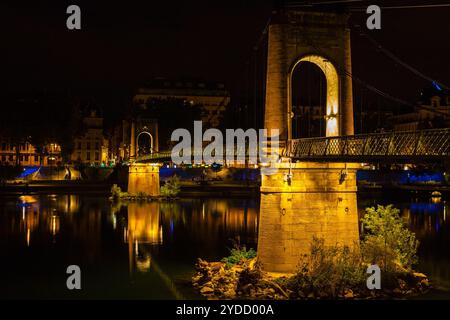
x=246, y=280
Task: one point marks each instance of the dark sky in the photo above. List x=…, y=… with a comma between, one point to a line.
x=123, y=43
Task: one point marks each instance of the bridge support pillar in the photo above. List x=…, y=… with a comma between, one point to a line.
x=304, y=200
x=143, y=177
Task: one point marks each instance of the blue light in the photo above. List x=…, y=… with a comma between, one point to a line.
x=27, y=171
x=437, y=86
x=171, y=227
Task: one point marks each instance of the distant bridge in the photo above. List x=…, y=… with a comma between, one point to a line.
x=398, y=147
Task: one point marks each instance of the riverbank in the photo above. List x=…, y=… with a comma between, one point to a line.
x=211, y=189
x=187, y=189
x=246, y=280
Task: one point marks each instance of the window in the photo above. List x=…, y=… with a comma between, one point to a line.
x=97, y=145
x=3, y=158
x=36, y=158
x=27, y=158
x=79, y=145
x=97, y=156
x=88, y=156
x=3, y=146
x=11, y=158
x=88, y=146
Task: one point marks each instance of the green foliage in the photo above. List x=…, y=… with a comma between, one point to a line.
x=387, y=240
x=171, y=188
x=116, y=192
x=332, y=270
x=328, y=271
x=238, y=255
x=141, y=195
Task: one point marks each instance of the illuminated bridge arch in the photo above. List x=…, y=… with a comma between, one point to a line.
x=332, y=93
x=323, y=39
x=144, y=143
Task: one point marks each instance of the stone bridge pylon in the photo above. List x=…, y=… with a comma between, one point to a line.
x=303, y=200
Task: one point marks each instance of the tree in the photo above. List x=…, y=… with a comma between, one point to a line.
x=387, y=240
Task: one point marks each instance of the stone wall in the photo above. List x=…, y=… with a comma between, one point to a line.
x=316, y=202
x=143, y=177
x=298, y=35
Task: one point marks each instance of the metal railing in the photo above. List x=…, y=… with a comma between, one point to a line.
x=424, y=145
x=407, y=145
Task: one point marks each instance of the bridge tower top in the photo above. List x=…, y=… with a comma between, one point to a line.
x=323, y=39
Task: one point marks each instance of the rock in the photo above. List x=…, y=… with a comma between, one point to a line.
x=230, y=294
x=402, y=284
x=425, y=282
x=216, y=266
x=251, y=263
x=397, y=291
x=206, y=290
x=246, y=288
x=349, y=294
x=419, y=275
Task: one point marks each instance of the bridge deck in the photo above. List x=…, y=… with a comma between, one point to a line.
x=407, y=146
x=425, y=145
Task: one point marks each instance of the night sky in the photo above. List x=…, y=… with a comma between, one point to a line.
x=122, y=44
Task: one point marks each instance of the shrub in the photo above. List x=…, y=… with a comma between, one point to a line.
x=171, y=188
x=328, y=271
x=116, y=192
x=237, y=255
x=141, y=195
x=387, y=240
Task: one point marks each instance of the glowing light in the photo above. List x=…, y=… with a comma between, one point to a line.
x=28, y=237
x=332, y=127
x=332, y=106
x=114, y=221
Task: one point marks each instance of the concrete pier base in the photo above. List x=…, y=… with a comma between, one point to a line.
x=304, y=200
x=143, y=178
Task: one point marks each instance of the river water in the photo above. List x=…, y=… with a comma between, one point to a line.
x=148, y=250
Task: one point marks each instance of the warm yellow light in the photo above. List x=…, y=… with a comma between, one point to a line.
x=332, y=127
x=332, y=107
x=28, y=237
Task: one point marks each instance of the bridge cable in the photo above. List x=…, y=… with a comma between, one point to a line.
x=371, y=87
x=397, y=60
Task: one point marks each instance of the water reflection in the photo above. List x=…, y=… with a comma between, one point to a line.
x=143, y=250
x=135, y=250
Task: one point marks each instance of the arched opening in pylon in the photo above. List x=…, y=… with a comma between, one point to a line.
x=144, y=143
x=314, y=100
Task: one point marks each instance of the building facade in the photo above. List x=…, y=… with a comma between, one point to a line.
x=91, y=147
x=211, y=97
x=433, y=111
x=25, y=154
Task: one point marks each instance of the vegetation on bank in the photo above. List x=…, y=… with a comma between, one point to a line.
x=170, y=190
x=326, y=272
